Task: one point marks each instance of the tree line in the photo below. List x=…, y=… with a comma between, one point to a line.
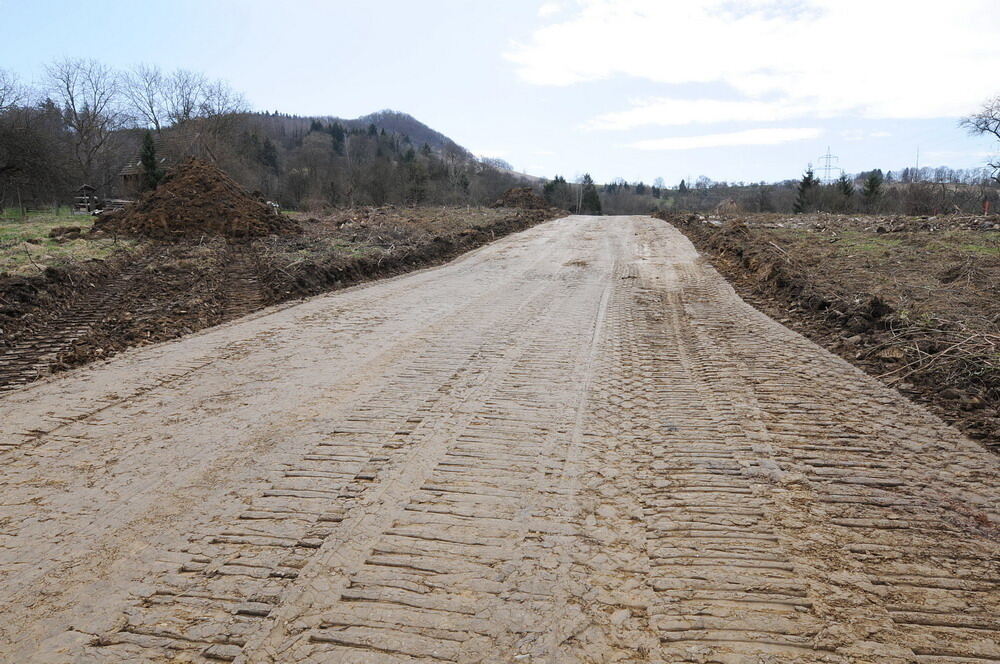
x=83, y=122
x=911, y=191
x=868, y=192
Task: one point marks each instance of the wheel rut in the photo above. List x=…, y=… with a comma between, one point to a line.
x=574, y=445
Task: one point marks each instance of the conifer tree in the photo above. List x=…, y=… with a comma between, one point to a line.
x=846, y=187
x=269, y=155
x=590, y=201
x=806, y=195
x=151, y=173
x=871, y=192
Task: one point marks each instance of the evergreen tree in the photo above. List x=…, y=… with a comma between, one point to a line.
x=151, y=173
x=269, y=155
x=846, y=186
x=683, y=189
x=871, y=192
x=559, y=193
x=590, y=202
x=336, y=131
x=806, y=195
x=846, y=189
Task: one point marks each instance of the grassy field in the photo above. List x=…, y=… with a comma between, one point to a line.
x=26, y=248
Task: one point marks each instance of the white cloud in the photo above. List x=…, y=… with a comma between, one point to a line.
x=749, y=137
x=549, y=9
x=771, y=54
x=855, y=135
x=667, y=112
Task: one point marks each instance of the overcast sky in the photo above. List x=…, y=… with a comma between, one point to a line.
x=621, y=88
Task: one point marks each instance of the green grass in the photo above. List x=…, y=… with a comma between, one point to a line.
x=980, y=249
x=987, y=243
x=26, y=248
x=854, y=241
x=947, y=242
x=63, y=212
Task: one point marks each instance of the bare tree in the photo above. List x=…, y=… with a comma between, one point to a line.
x=12, y=92
x=221, y=109
x=177, y=98
x=184, y=96
x=11, y=96
x=220, y=99
x=89, y=94
x=145, y=89
x=987, y=122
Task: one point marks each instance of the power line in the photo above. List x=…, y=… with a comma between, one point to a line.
x=831, y=163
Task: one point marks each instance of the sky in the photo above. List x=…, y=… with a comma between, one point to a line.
x=638, y=89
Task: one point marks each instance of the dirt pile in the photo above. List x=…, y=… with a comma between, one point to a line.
x=522, y=197
x=197, y=199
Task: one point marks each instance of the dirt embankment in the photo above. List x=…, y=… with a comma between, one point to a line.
x=383, y=242
x=914, y=302
x=162, y=290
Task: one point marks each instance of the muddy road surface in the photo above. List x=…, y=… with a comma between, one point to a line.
x=573, y=445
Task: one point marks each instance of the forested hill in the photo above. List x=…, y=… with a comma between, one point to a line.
x=407, y=125
x=392, y=122
x=315, y=162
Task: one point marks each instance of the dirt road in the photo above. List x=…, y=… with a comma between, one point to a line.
x=573, y=445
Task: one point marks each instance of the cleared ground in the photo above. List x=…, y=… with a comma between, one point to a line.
x=913, y=301
x=76, y=309
x=573, y=445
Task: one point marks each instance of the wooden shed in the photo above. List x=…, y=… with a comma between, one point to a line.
x=85, y=200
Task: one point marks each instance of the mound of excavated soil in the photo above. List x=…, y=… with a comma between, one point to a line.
x=522, y=197
x=196, y=199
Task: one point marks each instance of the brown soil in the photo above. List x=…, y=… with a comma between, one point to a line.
x=522, y=197
x=72, y=316
x=383, y=241
x=513, y=458
x=27, y=301
x=196, y=199
x=911, y=301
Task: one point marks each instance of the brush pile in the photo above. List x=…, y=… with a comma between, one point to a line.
x=522, y=197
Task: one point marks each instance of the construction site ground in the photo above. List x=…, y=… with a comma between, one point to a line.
x=914, y=301
x=103, y=292
x=574, y=444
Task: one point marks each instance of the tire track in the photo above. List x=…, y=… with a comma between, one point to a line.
x=577, y=445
